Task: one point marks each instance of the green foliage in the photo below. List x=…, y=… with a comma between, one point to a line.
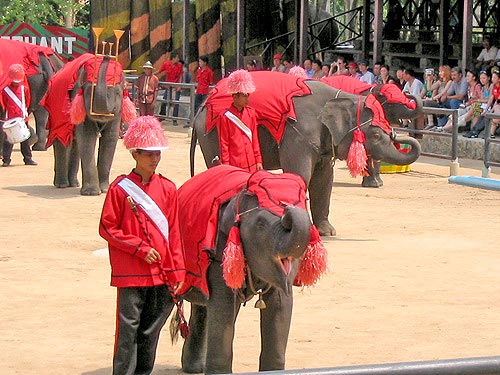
x=72, y=13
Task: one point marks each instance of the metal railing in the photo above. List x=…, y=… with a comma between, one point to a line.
x=487, y=145
x=461, y=366
x=453, y=155
x=168, y=100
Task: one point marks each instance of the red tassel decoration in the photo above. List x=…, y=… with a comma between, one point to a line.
x=357, y=157
x=129, y=112
x=233, y=260
x=314, y=263
x=77, y=111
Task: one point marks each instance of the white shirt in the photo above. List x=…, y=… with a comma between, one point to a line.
x=367, y=77
x=415, y=88
x=487, y=55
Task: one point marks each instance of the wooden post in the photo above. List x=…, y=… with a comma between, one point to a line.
x=444, y=31
x=185, y=31
x=240, y=32
x=467, y=35
x=366, y=29
x=301, y=28
x=377, y=31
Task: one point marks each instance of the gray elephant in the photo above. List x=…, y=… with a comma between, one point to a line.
x=306, y=137
x=274, y=235
x=40, y=64
x=93, y=87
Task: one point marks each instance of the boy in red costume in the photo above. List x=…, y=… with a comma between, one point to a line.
x=16, y=98
x=140, y=223
x=205, y=78
x=238, y=137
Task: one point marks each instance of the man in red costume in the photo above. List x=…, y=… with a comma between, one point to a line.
x=238, y=137
x=16, y=98
x=173, y=73
x=204, y=78
x=140, y=222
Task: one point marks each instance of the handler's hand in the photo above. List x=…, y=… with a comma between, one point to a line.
x=153, y=256
x=178, y=286
x=259, y=166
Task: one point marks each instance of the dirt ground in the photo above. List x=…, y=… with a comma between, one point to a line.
x=414, y=273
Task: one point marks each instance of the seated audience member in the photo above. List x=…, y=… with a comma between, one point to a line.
x=308, y=68
x=339, y=67
x=376, y=72
x=353, y=70
x=487, y=57
x=288, y=63
x=493, y=104
x=478, y=121
x=252, y=65
x=427, y=92
x=456, y=93
x=472, y=105
x=277, y=65
x=325, y=69
x=400, y=77
x=317, y=65
x=366, y=75
x=385, y=76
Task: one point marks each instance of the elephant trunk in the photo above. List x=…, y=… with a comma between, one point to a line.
x=295, y=233
x=101, y=103
x=394, y=156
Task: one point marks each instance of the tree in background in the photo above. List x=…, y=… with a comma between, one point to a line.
x=68, y=13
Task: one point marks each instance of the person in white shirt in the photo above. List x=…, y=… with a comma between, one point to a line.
x=487, y=56
x=366, y=75
x=413, y=85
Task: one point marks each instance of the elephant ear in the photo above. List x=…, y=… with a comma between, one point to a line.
x=339, y=116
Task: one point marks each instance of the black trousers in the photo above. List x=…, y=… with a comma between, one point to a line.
x=141, y=314
x=198, y=101
x=7, y=150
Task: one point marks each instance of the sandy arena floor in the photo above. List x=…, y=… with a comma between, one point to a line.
x=415, y=274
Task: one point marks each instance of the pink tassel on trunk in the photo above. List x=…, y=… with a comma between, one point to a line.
x=233, y=260
x=357, y=157
x=77, y=111
x=314, y=263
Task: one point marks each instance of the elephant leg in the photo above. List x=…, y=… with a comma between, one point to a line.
x=41, y=118
x=222, y=310
x=195, y=346
x=106, y=153
x=373, y=179
x=73, y=165
x=61, y=156
x=320, y=191
x=86, y=136
x=275, y=322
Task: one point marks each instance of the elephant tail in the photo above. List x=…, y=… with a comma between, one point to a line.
x=192, y=150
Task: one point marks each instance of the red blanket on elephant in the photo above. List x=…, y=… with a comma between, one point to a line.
x=16, y=52
x=272, y=100
x=199, y=202
x=58, y=100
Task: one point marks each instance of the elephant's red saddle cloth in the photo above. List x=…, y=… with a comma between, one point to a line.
x=200, y=199
x=272, y=100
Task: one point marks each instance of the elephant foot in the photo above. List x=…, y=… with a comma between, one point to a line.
x=370, y=181
x=61, y=186
x=326, y=229
x=74, y=184
x=193, y=368
x=39, y=146
x=104, y=188
x=90, y=191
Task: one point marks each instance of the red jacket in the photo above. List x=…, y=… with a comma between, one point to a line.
x=11, y=108
x=204, y=77
x=127, y=243
x=173, y=72
x=235, y=147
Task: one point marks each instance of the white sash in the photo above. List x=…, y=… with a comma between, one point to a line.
x=148, y=205
x=20, y=103
x=240, y=124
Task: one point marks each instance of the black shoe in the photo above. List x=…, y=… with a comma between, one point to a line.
x=6, y=164
x=492, y=136
x=473, y=135
x=30, y=162
x=174, y=123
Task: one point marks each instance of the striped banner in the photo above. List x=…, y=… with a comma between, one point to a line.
x=160, y=30
x=65, y=42
x=209, y=29
x=228, y=10
x=139, y=33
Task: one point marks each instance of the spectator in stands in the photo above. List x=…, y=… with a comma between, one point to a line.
x=478, y=122
x=385, y=75
x=487, y=57
x=288, y=63
x=277, y=65
x=442, y=85
x=400, y=77
x=317, y=65
x=427, y=92
x=472, y=105
x=366, y=75
x=339, y=67
x=353, y=70
x=413, y=85
x=456, y=93
x=325, y=69
x=376, y=73
x=493, y=104
x=308, y=68
x=252, y=65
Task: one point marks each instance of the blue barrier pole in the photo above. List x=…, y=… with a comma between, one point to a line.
x=477, y=182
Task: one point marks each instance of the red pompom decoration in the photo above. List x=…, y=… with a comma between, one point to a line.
x=314, y=263
x=129, y=112
x=77, y=111
x=357, y=157
x=233, y=260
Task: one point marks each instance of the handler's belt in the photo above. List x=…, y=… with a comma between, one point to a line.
x=148, y=205
x=240, y=124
